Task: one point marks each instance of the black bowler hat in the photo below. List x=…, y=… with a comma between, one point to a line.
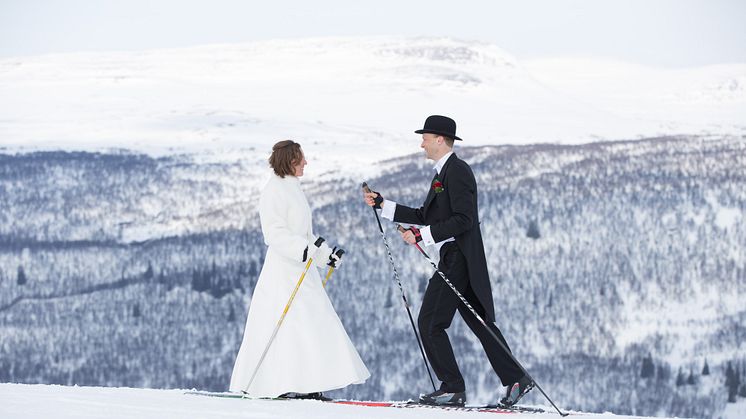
x=441, y=125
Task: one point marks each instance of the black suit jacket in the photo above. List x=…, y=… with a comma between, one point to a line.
x=453, y=213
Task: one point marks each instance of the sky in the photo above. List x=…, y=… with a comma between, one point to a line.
x=661, y=33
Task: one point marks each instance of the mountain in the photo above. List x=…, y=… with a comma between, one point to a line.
x=349, y=101
x=129, y=241
x=608, y=260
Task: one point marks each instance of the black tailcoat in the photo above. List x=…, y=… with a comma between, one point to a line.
x=453, y=212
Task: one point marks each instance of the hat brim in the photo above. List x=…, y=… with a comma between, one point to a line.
x=432, y=131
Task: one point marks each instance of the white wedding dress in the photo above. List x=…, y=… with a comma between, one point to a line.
x=311, y=352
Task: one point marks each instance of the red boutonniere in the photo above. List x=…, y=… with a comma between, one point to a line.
x=437, y=186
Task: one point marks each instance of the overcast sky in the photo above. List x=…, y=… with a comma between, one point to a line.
x=671, y=33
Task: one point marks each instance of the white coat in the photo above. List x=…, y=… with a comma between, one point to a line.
x=311, y=351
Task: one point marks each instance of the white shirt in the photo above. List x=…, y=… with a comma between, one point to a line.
x=389, y=208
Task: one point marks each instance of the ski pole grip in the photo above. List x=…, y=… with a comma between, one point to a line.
x=415, y=231
x=378, y=200
x=318, y=242
x=339, y=253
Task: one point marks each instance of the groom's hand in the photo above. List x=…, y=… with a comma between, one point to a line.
x=373, y=199
x=411, y=235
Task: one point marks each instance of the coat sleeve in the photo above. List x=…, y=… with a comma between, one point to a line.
x=404, y=214
x=462, y=195
x=273, y=210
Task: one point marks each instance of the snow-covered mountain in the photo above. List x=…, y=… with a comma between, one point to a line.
x=128, y=270
x=350, y=101
x=129, y=242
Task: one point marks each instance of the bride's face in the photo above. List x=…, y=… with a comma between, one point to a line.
x=301, y=164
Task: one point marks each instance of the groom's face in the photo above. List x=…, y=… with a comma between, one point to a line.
x=430, y=145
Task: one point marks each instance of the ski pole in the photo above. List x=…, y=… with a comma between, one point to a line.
x=332, y=266
x=317, y=243
x=479, y=318
x=366, y=189
x=328, y=275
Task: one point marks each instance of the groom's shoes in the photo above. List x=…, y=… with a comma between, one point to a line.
x=516, y=391
x=442, y=398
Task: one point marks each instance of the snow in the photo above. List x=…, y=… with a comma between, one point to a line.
x=735, y=410
x=21, y=401
x=349, y=101
x=690, y=320
x=727, y=217
x=683, y=98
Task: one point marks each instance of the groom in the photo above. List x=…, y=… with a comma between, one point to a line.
x=451, y=224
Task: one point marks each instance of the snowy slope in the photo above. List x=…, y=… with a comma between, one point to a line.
x=116, y=292
x=60, y=402
x=695, y=100
x=350, y=101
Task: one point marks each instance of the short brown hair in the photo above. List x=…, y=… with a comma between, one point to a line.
x=285, y=155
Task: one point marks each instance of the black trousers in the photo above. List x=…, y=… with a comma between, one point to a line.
x=439, y=305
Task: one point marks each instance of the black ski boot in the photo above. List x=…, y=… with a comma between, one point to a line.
x=441, y=398
x=306, y=396
x=317, y=396
x=516, y=391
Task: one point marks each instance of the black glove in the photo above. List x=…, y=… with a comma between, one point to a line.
x=335, y=258
x=378, y=200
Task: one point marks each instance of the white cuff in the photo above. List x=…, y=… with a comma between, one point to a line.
x=427, y=236
x=388, y=210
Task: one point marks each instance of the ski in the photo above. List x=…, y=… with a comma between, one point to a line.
x=218, y=394
x=468, y=408
x=394, y=404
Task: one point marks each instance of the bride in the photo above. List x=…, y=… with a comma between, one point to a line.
x=311, y=352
